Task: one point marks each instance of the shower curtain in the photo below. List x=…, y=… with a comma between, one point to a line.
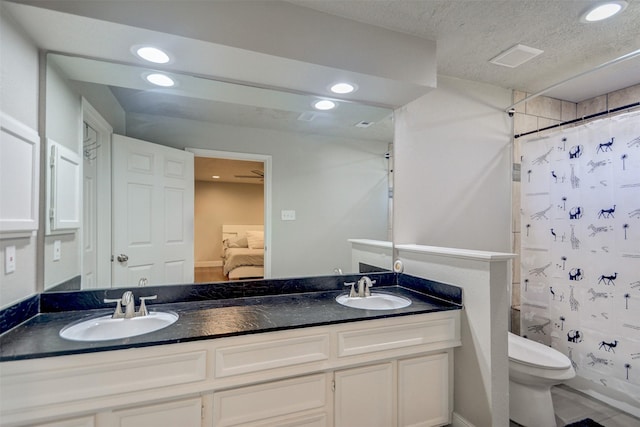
x=580, y=248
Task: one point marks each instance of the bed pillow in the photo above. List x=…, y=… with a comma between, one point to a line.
x=236, y=242
x=255, y=239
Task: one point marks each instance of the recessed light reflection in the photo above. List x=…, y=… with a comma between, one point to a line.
x=160, y=80
x=153, y=54
x=343, y=88
x=324, y=104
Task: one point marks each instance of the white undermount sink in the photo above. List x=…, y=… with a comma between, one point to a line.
x=105, y=328
x=377, y=301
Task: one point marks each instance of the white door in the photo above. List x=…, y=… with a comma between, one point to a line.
x=152, y=213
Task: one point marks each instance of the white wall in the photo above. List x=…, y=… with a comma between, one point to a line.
x=220, y=203
x=453, y=168
x=337, y=186
x=19, y=99
x=452, y=189
x=481, y=374
x=63, y=125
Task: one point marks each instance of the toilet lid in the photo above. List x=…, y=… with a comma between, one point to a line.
x=535, y=354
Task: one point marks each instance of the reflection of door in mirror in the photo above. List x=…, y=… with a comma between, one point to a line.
x=96, y=221
x=152, y=213
x=89, y=201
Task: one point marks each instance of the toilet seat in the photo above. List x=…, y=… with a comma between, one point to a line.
x=531, y=353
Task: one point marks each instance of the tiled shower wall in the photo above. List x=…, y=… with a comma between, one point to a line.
x=539, y=113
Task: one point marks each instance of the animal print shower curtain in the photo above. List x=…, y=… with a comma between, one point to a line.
x=580, y=248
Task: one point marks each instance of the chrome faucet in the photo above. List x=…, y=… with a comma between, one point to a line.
x=364, y=286
x=128, y=300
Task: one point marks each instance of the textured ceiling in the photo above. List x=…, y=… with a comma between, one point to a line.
x=471, y=32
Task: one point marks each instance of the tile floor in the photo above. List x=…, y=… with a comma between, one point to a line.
x=571, y=406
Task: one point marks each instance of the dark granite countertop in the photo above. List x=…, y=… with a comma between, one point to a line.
x=248, y=307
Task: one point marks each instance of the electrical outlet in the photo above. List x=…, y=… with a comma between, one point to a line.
x=56, y=250
x=288, y=215
x=9, y=259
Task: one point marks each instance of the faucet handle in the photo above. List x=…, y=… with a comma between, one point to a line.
x=118, y=311
x=142, y=311
x=367, y=289
x=352, y=293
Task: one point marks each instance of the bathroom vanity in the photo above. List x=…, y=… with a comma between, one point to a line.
x=266, y=356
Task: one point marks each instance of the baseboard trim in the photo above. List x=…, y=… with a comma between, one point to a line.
x=208, y=264
x=459, y=421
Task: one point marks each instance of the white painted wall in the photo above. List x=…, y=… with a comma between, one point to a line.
x=19, y=99
x=63, y=125
x=452, y=189
x=481, y=370
x=452, y=168
x=337, y=186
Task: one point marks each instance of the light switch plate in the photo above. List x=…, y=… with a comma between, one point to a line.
x=288, y=215
x=56, y=250
x=10, y=259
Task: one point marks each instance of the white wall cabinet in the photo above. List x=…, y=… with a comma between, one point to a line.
x=64, y=188
x=385, y=372
x=19, y=176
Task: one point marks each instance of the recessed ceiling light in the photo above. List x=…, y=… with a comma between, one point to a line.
x=324, y=104
x=216, y=177
x=152, y=54
x=159, y=79
x=603, y=11
x=343, y=88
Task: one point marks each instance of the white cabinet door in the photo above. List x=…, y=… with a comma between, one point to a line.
x=19, y=176
x=181, y=413
x=64, y=188
x=423, y=391
x=269, y=403
x=153, y=194
x=365, y=397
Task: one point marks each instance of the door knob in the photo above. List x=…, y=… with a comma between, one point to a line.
x=122, y=258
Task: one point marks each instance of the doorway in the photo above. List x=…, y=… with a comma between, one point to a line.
x=249, y=174
x=96, y=200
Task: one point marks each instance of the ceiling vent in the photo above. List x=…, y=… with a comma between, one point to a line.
x=307, y=116
x=516, y=55
x=364, y=124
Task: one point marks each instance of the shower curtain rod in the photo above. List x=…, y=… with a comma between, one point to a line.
x=622, y=58
x=590, y=116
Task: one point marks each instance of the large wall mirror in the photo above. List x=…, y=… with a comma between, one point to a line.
x=312, y=179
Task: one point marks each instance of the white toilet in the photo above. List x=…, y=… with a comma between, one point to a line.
x=533, y=369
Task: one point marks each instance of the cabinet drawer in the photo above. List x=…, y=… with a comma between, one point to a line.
x=243, y=359
x=76, y=378
x=177, y=413
x=314, y=420
x=373, y=339
x=275, y=399
x=75, y=422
